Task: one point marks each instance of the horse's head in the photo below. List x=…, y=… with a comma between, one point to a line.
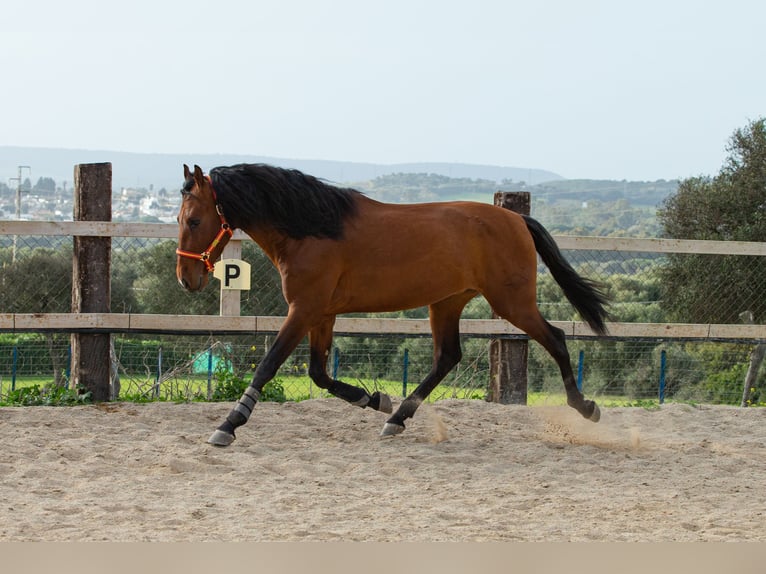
x=202, y=230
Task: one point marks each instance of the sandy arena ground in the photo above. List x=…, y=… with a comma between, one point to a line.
x=463, y=471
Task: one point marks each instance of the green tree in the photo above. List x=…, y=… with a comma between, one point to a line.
x=265, y=294
x=156, y=288
x=124, y=275
x=728, y=207
x=45, y=184
x=40, y=282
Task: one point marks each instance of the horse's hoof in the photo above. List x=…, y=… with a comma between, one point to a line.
x=596, y=416
x=385, y=405
x=391, y=429
x=221, y=438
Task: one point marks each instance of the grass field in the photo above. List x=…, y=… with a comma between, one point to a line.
x=295, y=388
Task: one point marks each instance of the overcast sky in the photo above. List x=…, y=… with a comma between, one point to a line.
x=638, y=90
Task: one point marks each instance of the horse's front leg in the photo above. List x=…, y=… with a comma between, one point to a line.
x=291, y=333
x=320, y=340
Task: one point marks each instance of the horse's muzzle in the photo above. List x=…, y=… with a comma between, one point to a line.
x=191, y=285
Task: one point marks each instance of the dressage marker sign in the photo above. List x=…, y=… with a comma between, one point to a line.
x=233, y=274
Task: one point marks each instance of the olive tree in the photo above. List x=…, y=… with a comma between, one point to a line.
x=730, y=206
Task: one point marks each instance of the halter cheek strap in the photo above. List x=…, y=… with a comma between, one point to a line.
x=225, y=231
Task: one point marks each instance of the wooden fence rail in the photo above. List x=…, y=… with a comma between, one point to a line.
x=117, y=322
x=84, y=324
x=566, y=242
x=347, y=326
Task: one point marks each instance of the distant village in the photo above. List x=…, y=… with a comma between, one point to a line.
x=47, y=201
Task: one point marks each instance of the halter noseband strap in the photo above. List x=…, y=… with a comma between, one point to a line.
x=223, y=232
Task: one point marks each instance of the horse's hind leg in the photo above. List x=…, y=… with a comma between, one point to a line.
x=320, y=339
x=555, y=344
x=445, y=322
x=527, y=318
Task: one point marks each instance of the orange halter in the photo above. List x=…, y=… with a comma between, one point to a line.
x=224, y=231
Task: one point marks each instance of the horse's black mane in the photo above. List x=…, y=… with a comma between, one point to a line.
x=287, y=200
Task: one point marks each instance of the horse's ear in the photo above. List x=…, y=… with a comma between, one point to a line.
x=187, y=173
x=199, y=176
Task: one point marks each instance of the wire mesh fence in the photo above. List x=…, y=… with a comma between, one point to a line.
x=36, y=272
x=175, y=368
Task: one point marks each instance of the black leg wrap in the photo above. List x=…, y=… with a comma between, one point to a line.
x=351, y=394
x=244, y=407
x=235, y=419
x=224, y=434
x=359, y=397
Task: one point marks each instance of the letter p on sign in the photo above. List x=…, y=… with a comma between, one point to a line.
x=233, y=274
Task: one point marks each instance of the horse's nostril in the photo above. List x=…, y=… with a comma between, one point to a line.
x=184, y=283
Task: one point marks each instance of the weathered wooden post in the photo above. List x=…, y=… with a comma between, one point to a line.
x=508, y=357
x=756, y=359
x=91, y=274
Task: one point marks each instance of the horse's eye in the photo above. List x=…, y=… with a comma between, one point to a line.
x=193, y=223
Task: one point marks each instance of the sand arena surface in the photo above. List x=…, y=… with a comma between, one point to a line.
x=316, y=470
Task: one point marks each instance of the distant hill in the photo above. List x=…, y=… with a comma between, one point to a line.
x=579, y=207
x=420, y=187
x=573, y=207
x=646, y=193
x=164, y=170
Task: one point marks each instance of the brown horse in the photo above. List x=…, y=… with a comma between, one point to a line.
x=338, y=251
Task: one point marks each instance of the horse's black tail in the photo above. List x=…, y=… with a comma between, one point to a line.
x=585, y=295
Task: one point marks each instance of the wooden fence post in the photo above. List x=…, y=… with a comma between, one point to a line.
x=508, y=357
x=756, y=359
x=91, y=274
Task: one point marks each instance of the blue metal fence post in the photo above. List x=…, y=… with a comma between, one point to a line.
x=580, y=364
x=335, y=363
x=663, y=361
x=68, y=369
x=159, y=373
x=14, y=366
x=210, y=373
x=405, y=372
